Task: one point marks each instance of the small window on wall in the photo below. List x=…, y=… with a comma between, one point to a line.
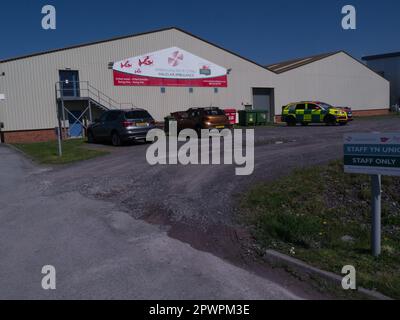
x=215, y=90
x=191, y=90
x=162, y=90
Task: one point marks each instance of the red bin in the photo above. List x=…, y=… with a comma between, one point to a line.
x=231, y=114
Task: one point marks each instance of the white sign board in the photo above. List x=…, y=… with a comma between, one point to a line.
x=169, y=67
x=2, y=96
x=372, y=153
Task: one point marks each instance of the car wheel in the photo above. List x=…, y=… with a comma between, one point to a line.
x=115, y=139
x=343, y=123
x=330, y=121
x=90, y=137
x=291, y=122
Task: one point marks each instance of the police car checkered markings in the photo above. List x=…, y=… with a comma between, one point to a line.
x=313, y=112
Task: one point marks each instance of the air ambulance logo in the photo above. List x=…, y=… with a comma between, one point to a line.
x=205, y=70
x=175, y=59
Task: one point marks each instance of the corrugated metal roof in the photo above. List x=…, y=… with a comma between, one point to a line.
x=131, y=36
x=382, y=56
x=285, y=66
x=84, y=45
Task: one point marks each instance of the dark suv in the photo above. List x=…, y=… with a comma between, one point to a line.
x=118, y=126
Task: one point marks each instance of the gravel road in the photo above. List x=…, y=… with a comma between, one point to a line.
x=117, y=227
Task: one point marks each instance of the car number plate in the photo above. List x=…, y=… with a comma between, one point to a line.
x=220, y=127
x=141, y=124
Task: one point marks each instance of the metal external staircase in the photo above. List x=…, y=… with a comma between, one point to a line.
x=78, y=101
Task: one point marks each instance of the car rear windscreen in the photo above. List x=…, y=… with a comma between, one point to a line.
x=140, y=114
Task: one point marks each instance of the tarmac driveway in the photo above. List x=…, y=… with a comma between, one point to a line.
x=115, y=227
x=99, y=251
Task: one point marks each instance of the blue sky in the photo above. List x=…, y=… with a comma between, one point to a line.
x=265, y=31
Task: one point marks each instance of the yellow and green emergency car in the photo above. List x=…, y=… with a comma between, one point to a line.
x=313, y=112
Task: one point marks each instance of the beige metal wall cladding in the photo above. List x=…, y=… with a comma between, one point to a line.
x=29, y=83
x=339, y=80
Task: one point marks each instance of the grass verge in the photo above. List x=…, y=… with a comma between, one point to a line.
x=322, y=216
x=47, y=152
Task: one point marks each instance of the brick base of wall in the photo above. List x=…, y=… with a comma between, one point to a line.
x=370, y=113
x=29, y=136
x=278, y=119
x=43, y=135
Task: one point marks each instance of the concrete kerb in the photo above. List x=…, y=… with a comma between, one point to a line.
x=281, y=260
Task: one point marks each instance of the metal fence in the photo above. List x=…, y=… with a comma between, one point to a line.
x=81, y=90
x=67, y=91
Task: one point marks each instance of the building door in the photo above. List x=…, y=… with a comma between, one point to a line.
x=69, y=83
x=263, y=99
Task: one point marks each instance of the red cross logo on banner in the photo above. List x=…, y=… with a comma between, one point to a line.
x=175, y=59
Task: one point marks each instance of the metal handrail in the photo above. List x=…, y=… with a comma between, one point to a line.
x=92, y=93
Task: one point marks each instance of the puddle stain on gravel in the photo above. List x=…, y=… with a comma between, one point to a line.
x=232, y=244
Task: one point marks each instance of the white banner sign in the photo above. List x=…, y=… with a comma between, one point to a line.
x=169, y=67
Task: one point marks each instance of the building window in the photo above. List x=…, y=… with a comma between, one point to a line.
x=162, y=90
x=215, y=90
x=191, y=90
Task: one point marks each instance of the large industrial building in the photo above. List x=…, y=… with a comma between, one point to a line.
x=165, y=71
x=388, y=66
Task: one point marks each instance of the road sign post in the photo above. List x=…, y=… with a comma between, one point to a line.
x=375, y=154
x=376, y=215
x=58, y=132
